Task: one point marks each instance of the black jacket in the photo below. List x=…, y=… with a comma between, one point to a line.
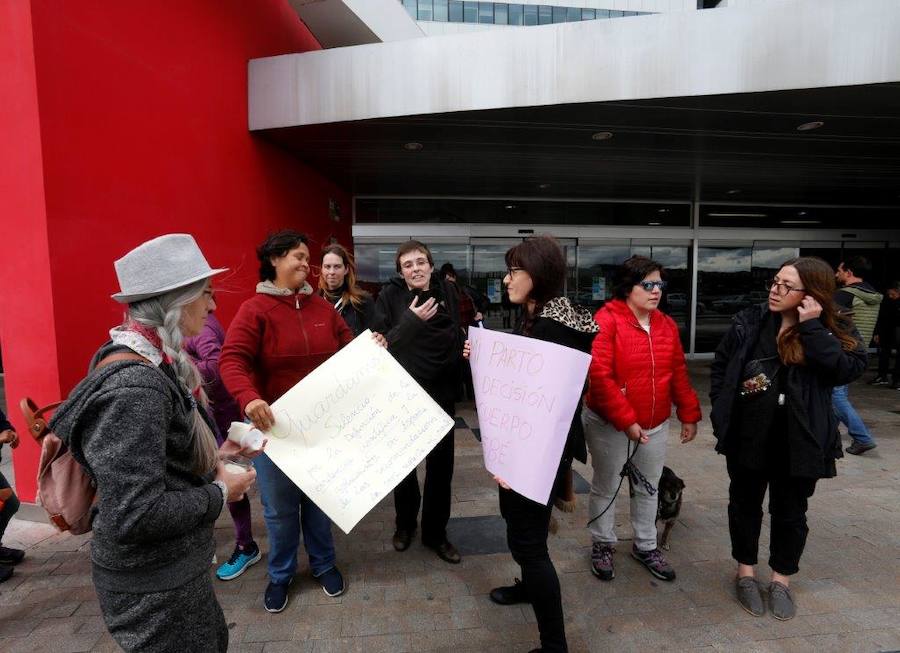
x=358, y=319
x=564, y=324
x=4, y=425
x=430, y=351
x=815, y=443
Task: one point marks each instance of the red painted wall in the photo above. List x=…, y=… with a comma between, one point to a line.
x=27, y=330
x=143, y=126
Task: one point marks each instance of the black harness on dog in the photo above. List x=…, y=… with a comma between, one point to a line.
x=634, y=476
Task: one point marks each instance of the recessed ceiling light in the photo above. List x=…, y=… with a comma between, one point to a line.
x=509, y=207
x=737, y=215
x=655, y=224
x=662, y=210
x=801, y=212
x=733, y=191
x=801, y=222
x=602, y=136
x=808, y=126
x=413, y=146
x=543, y=186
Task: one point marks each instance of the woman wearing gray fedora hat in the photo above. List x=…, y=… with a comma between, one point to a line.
x=138, y=424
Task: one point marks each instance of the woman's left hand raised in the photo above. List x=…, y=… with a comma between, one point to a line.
x=809, y=309
x=688, y=432
x=379, y=339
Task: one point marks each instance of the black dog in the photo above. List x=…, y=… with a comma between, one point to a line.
x=670, y=490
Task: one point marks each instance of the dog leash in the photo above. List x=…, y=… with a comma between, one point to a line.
x=634, y=476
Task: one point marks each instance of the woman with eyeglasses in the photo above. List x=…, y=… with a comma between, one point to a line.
x=770, y=387
x=637, y=372
x=536, y=270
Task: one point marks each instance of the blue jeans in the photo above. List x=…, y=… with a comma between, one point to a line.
x=847, y=414
x=9, y=509
x=286, y=509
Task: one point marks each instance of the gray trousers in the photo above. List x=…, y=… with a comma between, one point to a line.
x=187, y=618
x=609, y=450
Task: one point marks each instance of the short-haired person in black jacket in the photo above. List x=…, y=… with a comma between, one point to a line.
x=419, y=316
x=535, y=276
x=771, y=386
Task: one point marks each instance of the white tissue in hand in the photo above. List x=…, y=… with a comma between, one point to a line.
x=245, y=435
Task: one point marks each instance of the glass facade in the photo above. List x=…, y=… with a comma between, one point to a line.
x=730, y=275
x=505, y=13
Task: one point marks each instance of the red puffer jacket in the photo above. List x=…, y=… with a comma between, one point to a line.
x=636, y=376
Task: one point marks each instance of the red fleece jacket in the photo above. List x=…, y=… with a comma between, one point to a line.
x=275, y=341
x=636, y=376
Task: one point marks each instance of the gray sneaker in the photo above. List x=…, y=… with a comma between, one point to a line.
x=781, y=603
x=749, y=595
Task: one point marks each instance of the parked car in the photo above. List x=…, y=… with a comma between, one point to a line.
x=731, y=303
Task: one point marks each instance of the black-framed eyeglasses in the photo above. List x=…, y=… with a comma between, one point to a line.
x=650, y=285
x=781, y=289
x=510, y=271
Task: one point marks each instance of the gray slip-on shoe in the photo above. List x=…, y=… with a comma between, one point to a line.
x=781, y=603
x=749, y=595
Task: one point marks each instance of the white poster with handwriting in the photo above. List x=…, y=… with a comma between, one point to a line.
x=350, y=431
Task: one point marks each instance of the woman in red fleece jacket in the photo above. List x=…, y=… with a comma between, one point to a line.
x=638, y=371
x=278, y=337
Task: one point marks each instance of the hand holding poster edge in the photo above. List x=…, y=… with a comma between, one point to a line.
x=524, y=426
x=352, y=429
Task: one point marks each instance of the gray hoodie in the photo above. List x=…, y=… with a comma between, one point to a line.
x=128, y=424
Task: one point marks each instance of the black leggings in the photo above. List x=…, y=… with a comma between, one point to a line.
x=788, y=502
x=527, y=526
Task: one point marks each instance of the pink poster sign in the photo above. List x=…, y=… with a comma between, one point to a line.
x=526, y=392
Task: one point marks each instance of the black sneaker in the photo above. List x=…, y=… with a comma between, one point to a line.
x=10, y=556
x=510, y=594
x=858, y=448
x=880, y=380
x=655, y=562
x=332, y=582
x=276, y=598
x=602, y=561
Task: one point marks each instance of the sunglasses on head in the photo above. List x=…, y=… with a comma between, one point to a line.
x=650, y=285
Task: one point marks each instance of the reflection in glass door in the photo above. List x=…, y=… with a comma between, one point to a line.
x=730, y=278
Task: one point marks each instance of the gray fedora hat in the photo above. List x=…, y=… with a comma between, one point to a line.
x=160, y=265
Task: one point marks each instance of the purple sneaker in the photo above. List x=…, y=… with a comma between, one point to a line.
x=602, y=561
x=655, y=562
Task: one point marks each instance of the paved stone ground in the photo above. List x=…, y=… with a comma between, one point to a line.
x=848, y=589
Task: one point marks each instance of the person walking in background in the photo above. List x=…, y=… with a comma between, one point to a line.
x=204, y=350
x=9, y=504
x=469, y=315
x=887, y=338
x=419, y=316
x=535, y=275
x=770, y=386
x=139, y=426
x=337, y=284
x=860, y=302
x=278, y=337
x=637, y=372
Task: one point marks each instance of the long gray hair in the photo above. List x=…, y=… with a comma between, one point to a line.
x=163, y=314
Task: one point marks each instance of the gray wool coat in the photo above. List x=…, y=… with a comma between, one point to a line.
x=128, y=424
